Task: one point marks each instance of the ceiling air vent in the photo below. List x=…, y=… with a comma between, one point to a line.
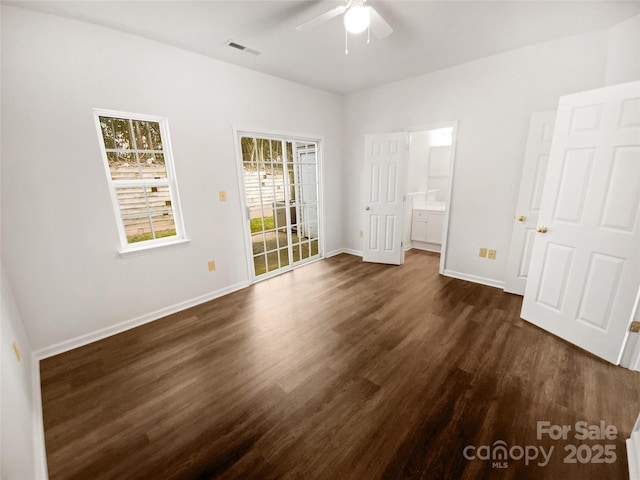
x=243, y=48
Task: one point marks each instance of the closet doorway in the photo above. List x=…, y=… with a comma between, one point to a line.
x=281, y=188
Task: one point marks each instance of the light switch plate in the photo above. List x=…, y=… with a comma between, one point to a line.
x=491, y=255
x=482, y=253
x=212, y=265
x=223, y=195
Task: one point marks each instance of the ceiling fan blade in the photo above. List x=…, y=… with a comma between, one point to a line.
x=379, y=27
x=320, y=19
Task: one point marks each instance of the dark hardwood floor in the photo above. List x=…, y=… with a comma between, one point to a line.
x=337, y=370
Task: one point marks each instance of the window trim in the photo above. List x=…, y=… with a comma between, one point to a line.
x=127, y=248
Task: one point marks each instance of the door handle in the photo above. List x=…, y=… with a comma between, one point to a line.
x=367, y=208
x=522, y=218
x=542, y=229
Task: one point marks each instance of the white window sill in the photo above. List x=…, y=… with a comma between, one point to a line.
x=142, y=249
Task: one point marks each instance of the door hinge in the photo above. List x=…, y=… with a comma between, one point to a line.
x=402, y=244
x=635, y=327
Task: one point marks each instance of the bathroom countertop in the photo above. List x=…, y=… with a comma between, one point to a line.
x=429, y=206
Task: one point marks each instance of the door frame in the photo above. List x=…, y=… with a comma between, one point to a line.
x=447, y=212
x=276, y=135
x=631, y=347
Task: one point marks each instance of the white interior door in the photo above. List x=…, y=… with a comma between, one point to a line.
x=534, y=171
x=385, y=184
x=585, y=268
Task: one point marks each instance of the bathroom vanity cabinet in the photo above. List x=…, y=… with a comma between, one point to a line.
x=426, y=225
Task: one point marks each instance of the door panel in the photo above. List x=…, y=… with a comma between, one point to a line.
x=390, y=233
x=574, y=178
x=603, y=279
x=623, y=194
x=385, y=157
x=585, y=269
x=530, y=197
x=553, y=281
x=525, y=258
x=541, y=171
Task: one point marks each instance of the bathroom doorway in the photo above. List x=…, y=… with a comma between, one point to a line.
x=429, y=188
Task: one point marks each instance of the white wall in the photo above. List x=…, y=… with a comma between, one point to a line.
x=418, y=162
x=16, y=444
x=623, y=53
x=492, y=99
x=59, y=236
x=428, y=164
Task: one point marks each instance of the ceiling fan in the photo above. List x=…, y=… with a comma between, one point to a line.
x=358, y=17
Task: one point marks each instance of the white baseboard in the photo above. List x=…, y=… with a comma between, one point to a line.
x=474, y=278
x=134, y=322
x=348, y=251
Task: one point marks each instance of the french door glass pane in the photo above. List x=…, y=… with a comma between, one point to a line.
x=257, y=242
x=259, y=264
x=272, y=261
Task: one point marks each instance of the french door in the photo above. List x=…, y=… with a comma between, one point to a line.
x=281, y=186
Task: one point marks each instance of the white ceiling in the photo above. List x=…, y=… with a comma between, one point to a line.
x=428, y=35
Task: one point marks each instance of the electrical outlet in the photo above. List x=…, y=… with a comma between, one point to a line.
x=223, y=195
x=212, y=265
x=16, y=349
x=361, y=233
x=483, y=252
x=491, y=255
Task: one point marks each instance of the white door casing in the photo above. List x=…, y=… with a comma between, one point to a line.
x=526, y=215
x=384, y=185
x=585, y=270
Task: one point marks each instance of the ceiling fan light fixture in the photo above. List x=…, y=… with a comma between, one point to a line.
x=356, y=19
